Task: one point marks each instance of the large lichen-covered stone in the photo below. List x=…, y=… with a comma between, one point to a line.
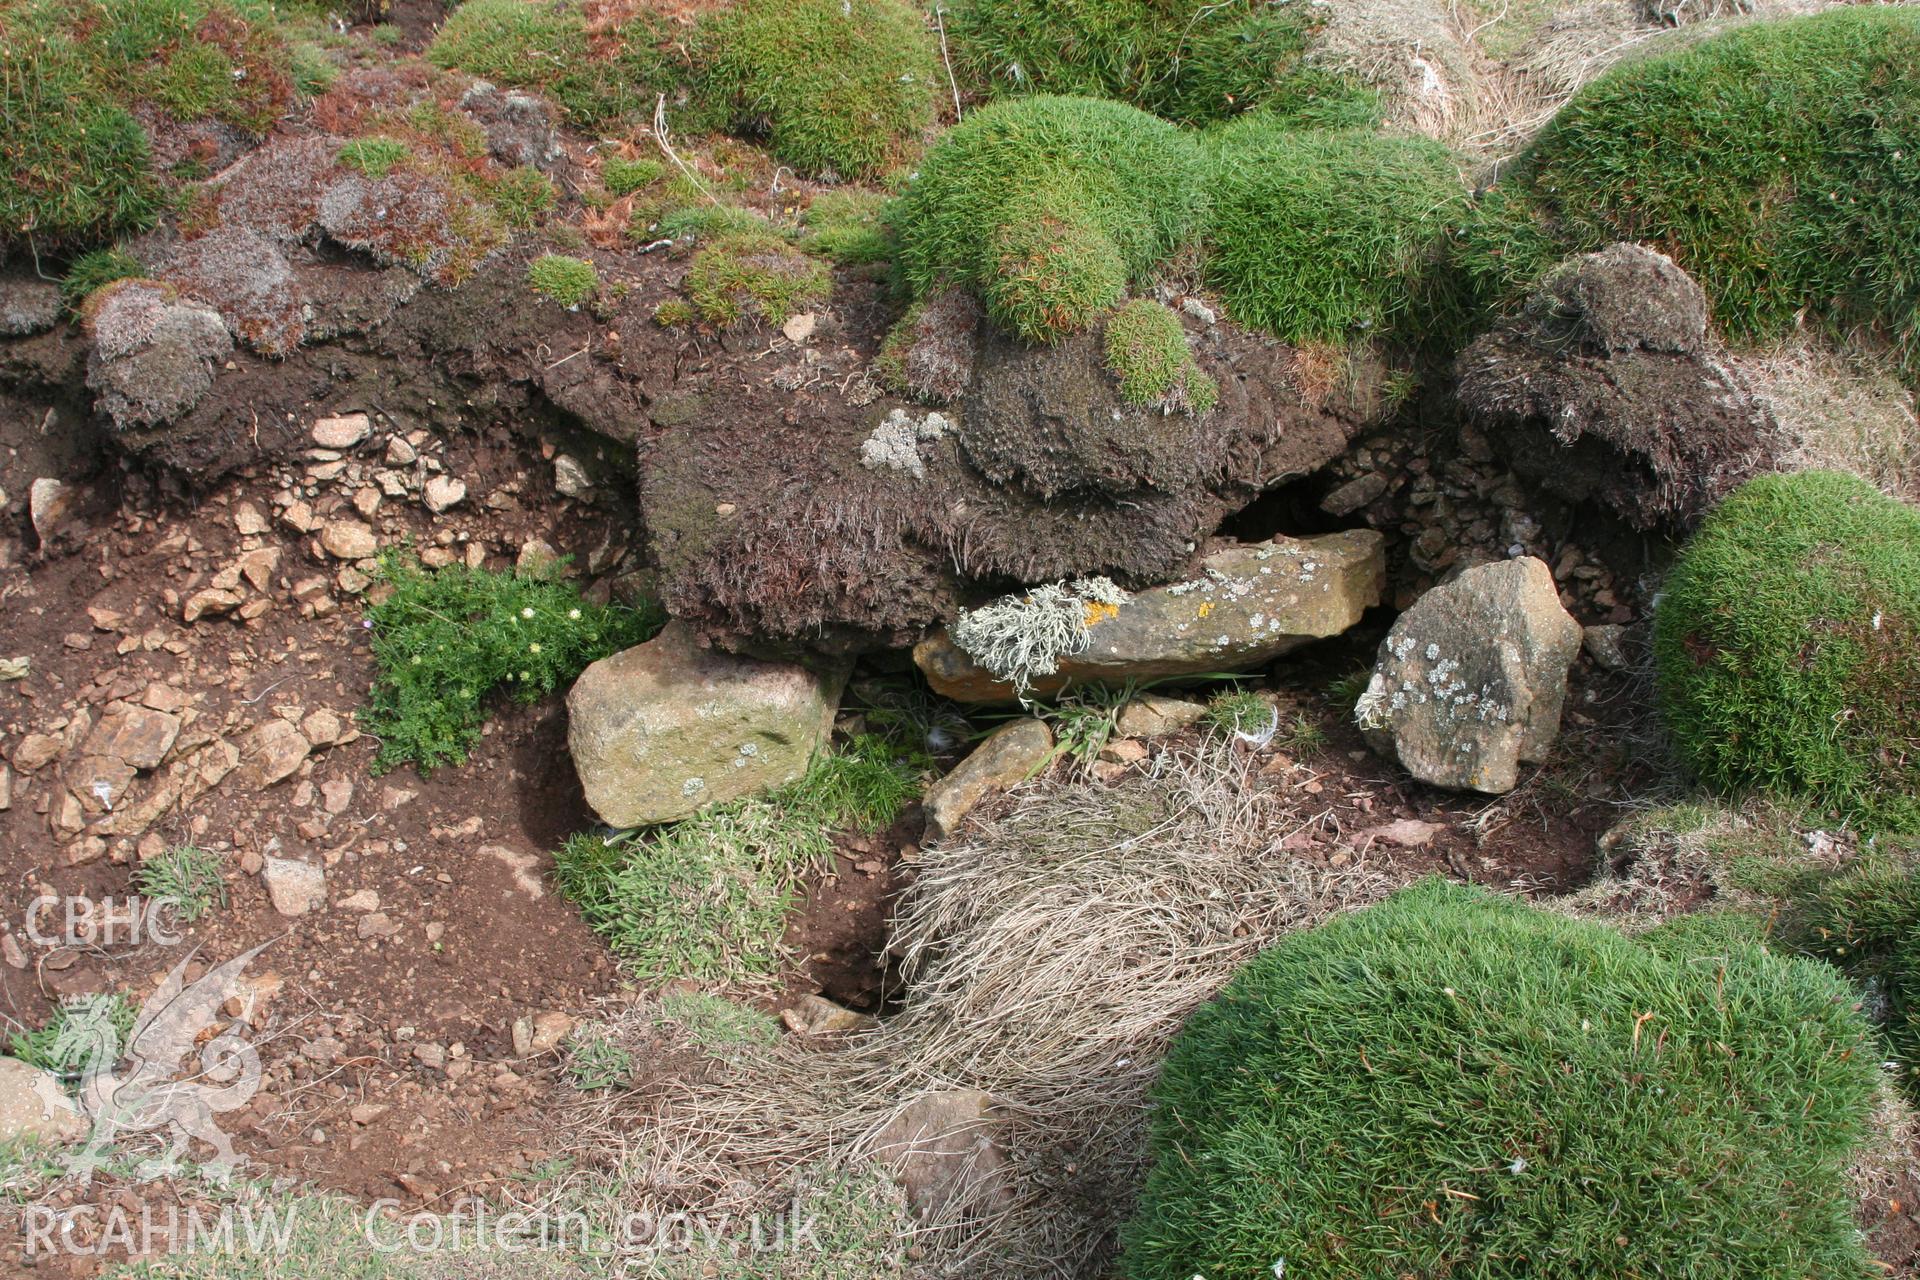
x=1249, y=604
x=664, y=729
x=1470, y=682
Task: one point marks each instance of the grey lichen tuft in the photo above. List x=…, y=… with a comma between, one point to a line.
x=895, y=443
x=1022, y=638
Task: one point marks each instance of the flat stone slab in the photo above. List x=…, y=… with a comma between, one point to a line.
x=1250, y=604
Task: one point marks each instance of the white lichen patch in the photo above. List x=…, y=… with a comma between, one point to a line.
x=1021, y=638
x=895, y=443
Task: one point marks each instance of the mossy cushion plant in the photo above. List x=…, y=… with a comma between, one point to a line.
x=1326, y=236
x=1189, y=62
x=1787, y=640
x=78, y=162
x=1147, y=350
x=1048, y=207
x=1776, y=163
x=1455, y=1084
x=835, y=86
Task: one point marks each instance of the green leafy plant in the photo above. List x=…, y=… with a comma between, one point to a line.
x=95, y=270
x=1048, y=207
x=595, y=1060
x=568, y=281
x=835, y=86
x=707, y=898
x=375, y=157
x=622, y=177
x=1147, y=350
x=1787, y=645
x=1456, y=1083
x=186, y=876
x=1775, y=162
x=755, y=274
x=1327, y=237
x=1086, y=721
x=444, y=640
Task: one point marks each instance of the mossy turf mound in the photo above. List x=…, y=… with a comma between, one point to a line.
x=835, y=86
x=1864, y=917
x=78, y=163
x=597, y=72
x=1452, y=1083
x=841, y=86
x=1048, y=207
x=1185, y=61
x=1776, y=163
x=1326, y=236
x=1788, y=646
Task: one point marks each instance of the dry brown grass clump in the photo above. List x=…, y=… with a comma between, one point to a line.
x=1051, y=957
x=1843, y=413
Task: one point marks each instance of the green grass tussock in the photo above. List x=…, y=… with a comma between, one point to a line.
x=623, y=177
x=834, y=86
x=1453, y=1083
x=1327, y=236
x=79, y=164
x=1787, y=642
x=1147, y=350
x=846, y=227
x=568, y=281
x=445, y=639
x=1776, y=163
x=185, y=876
x=707, y=898
x=1047, y=207
x=715, y=1023
x=96, y=270
x=375, y=157
x=755, y=274
x=1189, y=62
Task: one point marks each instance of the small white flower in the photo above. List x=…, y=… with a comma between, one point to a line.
x=574, y=614
x=527, y=612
